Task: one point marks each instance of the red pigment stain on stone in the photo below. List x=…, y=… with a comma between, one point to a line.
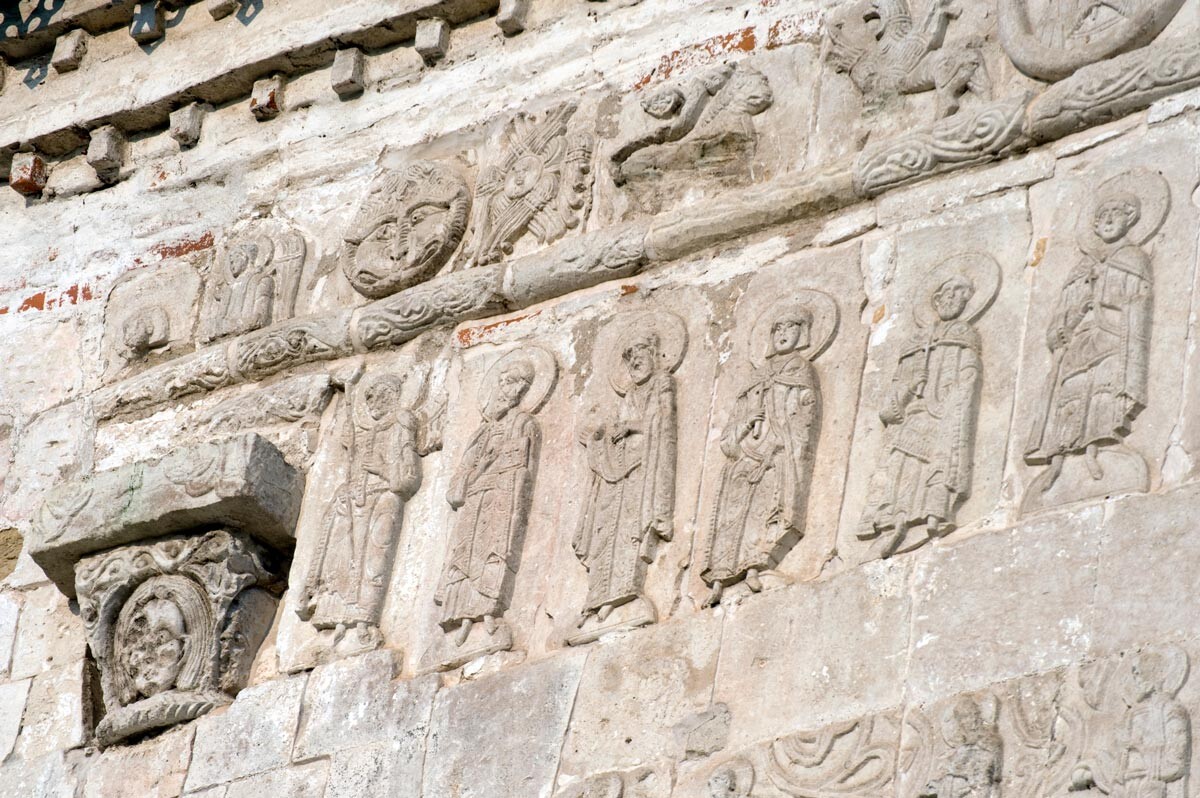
x=626, y=290
x=793, y=29
x=183, y=246
x=699, y=54
x=35, y=302
x=469, y=336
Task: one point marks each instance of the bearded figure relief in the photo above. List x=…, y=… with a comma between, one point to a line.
x=630, y=442
x=254, y=281
x=539, y=183
x=410, y=224
x=349, y=574
x=929, y=412
x=770, y=444
x=491, y=493
x=1099, y=338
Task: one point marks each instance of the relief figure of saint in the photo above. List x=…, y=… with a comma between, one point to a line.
x=1099, y=339
x=491, y=492
x=630, y=445
x=929, y=411
x=350, y=572
x=769, y=445
x=253, y=282
x=972, y=767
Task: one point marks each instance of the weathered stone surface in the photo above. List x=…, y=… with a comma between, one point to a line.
x=253, y=735
x=433, y=39
x=244, y=483
x=154, y=768
x=58, y=711
x=12, y=708
x=346, y=74
x=49, y=634
x=303, y=781
x=49, y=776
x=10, y=609
x=28, y=174
x=475, y=753
x=69, y=51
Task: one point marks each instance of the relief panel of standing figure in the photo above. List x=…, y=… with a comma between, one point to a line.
x=929, y=412
x=1099, y=337
x=770, y=444
x=253, y=282
x=491, y=491
x=630, y=444
x=971, y=764
x=349, y=573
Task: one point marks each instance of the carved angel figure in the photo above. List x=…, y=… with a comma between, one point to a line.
x=406, y=229
x=351, y=568
x=929, y=412
x=700, y=114
x=1154, y=739
x=491, y=492
x=254, y=281
x=972, y=766
x=539, y=184
x=770, y=445
x=631, y=447
x=901, y=57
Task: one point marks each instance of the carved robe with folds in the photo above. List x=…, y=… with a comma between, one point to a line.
x=352, y=567
x=1156, y=749
x=1100, y=337
x=493, y=482
x=931, y=409
x=630, y=496
x=770, y=444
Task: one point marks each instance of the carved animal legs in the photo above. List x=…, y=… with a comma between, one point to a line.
x=489, y=624
x=464, y=631
x=714, y=595
x=752, y=580
x=1092, y=458
x=603, y=613
x=1056, y=469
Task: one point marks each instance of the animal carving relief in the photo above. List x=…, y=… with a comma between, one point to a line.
x=929, y=410
x=349, y=573
x=406, y=229
x=490, y=492
x=253, y=282
x=174, y=625
x=539, y=183
x=884, y=51
x=1099, y=340
x=770, y=444
x=630, y=444
x=704, y=120
x=1051, y=39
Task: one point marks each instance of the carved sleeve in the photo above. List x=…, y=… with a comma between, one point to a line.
x=970, y=377
x=1177, y=754
x=457, y=495
x=664, y=451
x=896, y=401
x=264, y=299
x=404, y=477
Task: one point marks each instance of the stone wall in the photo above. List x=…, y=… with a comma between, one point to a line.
x=630, y=398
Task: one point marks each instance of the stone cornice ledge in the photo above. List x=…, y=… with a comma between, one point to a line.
x=1094, y=95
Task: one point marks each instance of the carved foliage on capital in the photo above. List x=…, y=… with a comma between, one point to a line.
x=886, y=50
x=1051, y=39
x=253, y=281
x=174, y=625
x=406, y=229
x=538, y=183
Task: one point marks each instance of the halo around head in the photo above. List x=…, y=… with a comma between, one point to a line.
x=545, y=373
x=979, y=268
x=825, y=318
x=668, y=328
x=1153, y=194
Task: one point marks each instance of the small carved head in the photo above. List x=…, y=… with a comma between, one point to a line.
x=724, y=783
x=144, y=332
x=664, y=103
x=157, y=646
x=964, y=724
x=1149, y=673
x=382, y=397
x=244, y=255
x=640, y=354
x=791, y=331
x=952, y=297
x=511, y=387
x=1116, y=216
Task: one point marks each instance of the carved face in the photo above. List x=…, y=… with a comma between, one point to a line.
x=1115, y=218
x=137, y=334
x=964, y=725
x=1148, y=677
x=723, y=783
x=950, y=300
x=381, y=398
x=663, y=103
x=523, y=176
x=790, y=333
x=156, y=647
x=511, y=387
x=240, y=258
x=639, y=356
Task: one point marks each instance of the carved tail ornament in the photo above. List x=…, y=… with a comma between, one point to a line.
x=1139, y=23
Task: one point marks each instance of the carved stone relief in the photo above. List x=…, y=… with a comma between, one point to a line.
x=539, y=183
x=490, y=492
x=174, y=625
x=930, y=409
x=703, y=124
x=629, y=440
x=885, y=52
x=384, y=434
x=770, y=443
x=149, y=317
x=1066, y=35
x=253, y=281
x=406, y=229
x=959, y=755
x=643, y=782
x=1099, y=337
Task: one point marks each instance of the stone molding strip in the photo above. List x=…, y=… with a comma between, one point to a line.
x=182, y=78
x=1129, y=84
x=242, y=482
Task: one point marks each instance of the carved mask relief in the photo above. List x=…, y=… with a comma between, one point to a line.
x=406, y=229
